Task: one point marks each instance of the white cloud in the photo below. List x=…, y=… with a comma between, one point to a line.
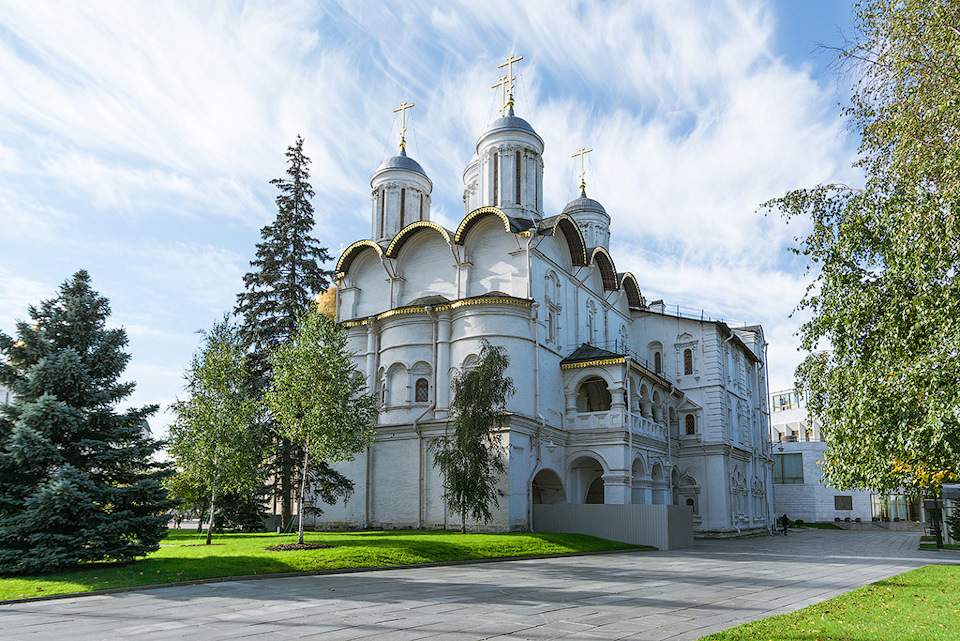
x=141, y=138
x=16, y=295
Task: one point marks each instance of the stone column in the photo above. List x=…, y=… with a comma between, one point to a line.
x=616, y=488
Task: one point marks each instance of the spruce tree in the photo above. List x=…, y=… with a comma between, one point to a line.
x=76, y=480
x=286, y=276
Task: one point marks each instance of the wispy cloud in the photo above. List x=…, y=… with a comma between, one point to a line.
x=140, y=139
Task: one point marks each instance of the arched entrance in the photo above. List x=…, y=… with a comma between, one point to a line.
x=547, y=488
x=586, y=480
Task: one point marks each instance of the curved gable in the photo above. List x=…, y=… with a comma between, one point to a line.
x=608, y=273
x=628, y=283
x=476, y=216
x=409, y=231
x=571, y=234
x=352, y=252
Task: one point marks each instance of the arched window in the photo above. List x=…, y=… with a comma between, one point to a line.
x=691, y=424
x=517, y=177
x=657, y=363
x=496, y=179
x=421, y=206
x=688, y=361
x=593, y=395
x=403, y=205
x=422, y=390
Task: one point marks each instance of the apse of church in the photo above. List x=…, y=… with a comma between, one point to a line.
x=618, y=401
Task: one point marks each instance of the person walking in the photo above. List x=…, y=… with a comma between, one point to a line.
x=784, y=522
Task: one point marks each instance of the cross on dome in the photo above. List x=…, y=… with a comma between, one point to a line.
x=403, y=122
x=502, y=83
x=510, y=78
x=582, y=152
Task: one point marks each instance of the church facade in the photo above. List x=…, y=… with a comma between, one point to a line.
x=617, y=400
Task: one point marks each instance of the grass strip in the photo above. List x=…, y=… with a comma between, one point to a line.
x=180, y=558
x=920, y=604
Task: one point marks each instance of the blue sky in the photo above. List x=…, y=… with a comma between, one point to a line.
x=137, y=141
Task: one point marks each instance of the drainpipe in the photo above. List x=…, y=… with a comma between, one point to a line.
x=373, y=356
x=629, y=381
x=336, y=302
x=766, y=470
x=728, y=437
x=416, y=422
x=534, y=307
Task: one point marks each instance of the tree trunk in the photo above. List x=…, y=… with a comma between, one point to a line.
x=303, y=485
x=286, y=470
x=213, y=511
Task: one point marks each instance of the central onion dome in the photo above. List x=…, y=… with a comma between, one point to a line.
x=592, y=219
x=507, y=171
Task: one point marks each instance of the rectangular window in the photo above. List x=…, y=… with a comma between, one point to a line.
x=843, y=502
x=787, y=401
x=788, y=469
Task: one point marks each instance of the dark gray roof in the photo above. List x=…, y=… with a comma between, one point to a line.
x=403, y=161
x=587, y=352
x=584, y=204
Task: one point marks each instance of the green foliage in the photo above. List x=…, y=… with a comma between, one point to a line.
x=885, y=302
x=180, y=559
x=286, y=275
x=214, y=440
x=472, y=458
x=76, y=480
x=318, y=398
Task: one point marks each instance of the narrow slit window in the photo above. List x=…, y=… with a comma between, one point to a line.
x=421, y=206
x=517, y=177
x=382, y=205
x=496, y=179
x=691, y=425
x=403, y=205
x=688, y=362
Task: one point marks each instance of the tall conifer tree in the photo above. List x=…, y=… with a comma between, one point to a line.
x=287, y=275
x=76, y=480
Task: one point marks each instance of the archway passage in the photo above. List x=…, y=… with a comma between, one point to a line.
x=586, y=480
x=593, y=395
x=547, y=488
x=595, y=492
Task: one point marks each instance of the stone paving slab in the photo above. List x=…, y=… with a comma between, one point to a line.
x=679, y=595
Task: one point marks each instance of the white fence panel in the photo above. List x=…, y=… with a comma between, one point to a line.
x=666, y=527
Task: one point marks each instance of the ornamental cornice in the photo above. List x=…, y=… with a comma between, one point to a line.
x=596, y=363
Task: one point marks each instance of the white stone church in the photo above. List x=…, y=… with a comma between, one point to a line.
x=618, y=401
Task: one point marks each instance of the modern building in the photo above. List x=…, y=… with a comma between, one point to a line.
x=799, y=490
x=619, y=401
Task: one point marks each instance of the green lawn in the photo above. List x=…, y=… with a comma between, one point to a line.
x=921, y=604
x=179, y=559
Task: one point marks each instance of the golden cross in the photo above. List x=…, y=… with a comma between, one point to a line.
x=582, y=152
x=509, y=65
x=403, y=121
x=504, y=81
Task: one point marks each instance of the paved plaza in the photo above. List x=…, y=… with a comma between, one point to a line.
x=680, y=594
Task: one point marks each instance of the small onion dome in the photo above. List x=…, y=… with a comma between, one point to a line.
x=401, y=161
x=584, y=205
